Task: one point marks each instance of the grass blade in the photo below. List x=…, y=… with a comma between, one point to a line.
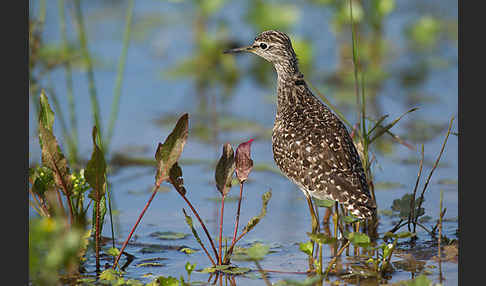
x=87, y=57
x=382, y=131
x=119, y=77
x=198, y=239
x=434, y=167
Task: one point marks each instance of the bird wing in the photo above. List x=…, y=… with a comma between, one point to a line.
x=330, y=164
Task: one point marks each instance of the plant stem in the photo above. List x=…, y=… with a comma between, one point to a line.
x=61, y=205
x=331, y=263
x=439, y=254
x=221, y=229
x=91, y=82
x=238, y=214
x=202, y=224
x=119, y=77
x=97, y=235
x=154, y=191
x=434, y=167
x=320, y=258
x=111, y=217
x=411, y=215
x=69, y=86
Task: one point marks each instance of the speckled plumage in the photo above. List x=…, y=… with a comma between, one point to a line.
x=311, y=145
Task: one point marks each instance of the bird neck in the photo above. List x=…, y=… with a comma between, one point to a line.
x=291, y=89
x=287, y=69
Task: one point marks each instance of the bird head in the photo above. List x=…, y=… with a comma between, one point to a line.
x=273, y=46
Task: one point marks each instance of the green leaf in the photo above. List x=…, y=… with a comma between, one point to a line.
x=309, y=281
x=321, y=238
x=255, y=220
x=113, y=251
x=167, y=281
x=154, y=248
x=384, y=7
x=402, y=206
x=190, y=224
x=42, y=180
x=358, y=239
x=402, y=234
x=168, y=153
x=257, y=251
x=46, y=115
x=325, y=203
x=150, y=264
x=228, y=269
x=109, y=275
x=306, y=247
x=95, y=172
x=348, y=219
x=421, y=280
x=236, y=270
x=225, y=169
x=388, y=250
x=265, y=15
x=190, y=267
x=52, y=157
x=133, y=282
x=169, y=235
x=187, y=250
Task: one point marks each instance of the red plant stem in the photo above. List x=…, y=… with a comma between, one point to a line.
x=202, y=224
x=238, y=214
x=221, y=229
x=66, y=192
x=59, y=200
x=97, y=240
x=136, y=224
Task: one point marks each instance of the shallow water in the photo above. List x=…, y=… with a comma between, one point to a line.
x=148, y=96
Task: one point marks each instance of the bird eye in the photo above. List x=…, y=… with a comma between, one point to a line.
x=263, y=46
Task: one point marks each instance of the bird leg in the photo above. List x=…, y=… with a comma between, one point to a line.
x=327, y=215
x=315, y=221
x=315, y=229
x=335, y=217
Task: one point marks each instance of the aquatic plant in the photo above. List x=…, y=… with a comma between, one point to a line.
x=168, y=170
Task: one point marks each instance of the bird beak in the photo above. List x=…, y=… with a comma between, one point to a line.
x=239, y=50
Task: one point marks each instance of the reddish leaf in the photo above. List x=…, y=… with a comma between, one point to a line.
x=244, y=163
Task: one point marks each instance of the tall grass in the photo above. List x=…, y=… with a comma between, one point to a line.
x=119, y=76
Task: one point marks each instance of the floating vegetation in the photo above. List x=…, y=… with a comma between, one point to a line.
x=169, y=235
